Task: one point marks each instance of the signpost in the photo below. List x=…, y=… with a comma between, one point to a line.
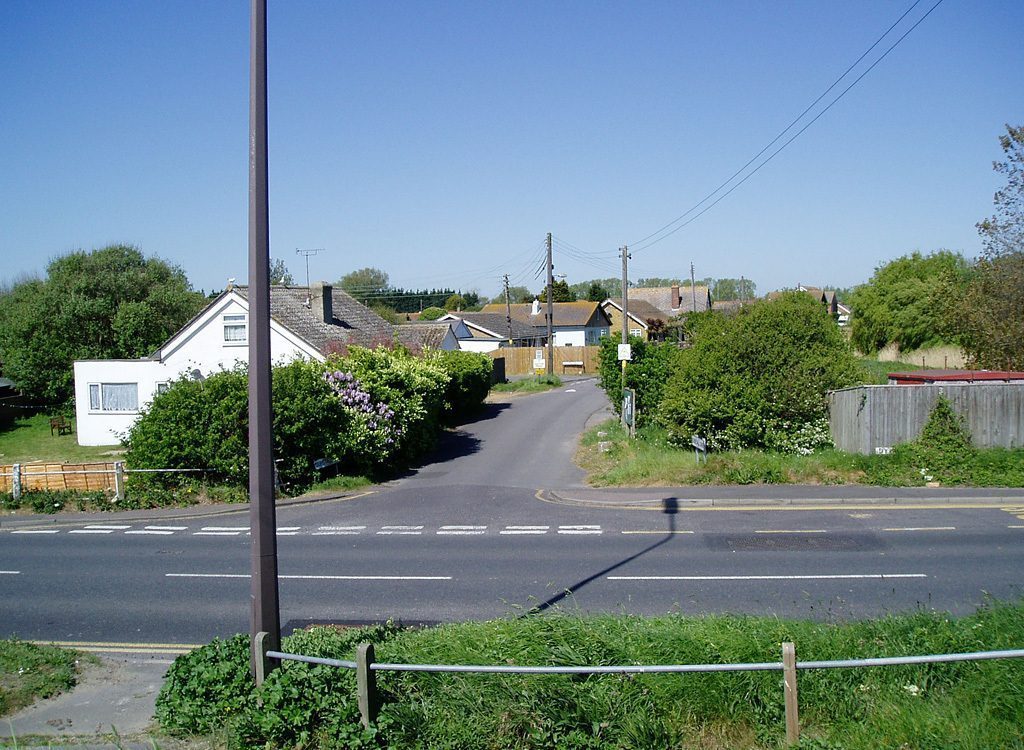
x=629, y=410
x=700, y=447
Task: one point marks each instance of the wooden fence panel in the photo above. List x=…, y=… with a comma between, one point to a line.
x=79, y=477
x=519, y=359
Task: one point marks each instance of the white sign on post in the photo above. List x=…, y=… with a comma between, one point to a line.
x=625, y=352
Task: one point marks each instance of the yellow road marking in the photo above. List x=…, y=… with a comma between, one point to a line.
x=123, y=648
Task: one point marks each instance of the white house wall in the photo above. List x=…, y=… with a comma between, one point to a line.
x=478, y=345
x=201, y=346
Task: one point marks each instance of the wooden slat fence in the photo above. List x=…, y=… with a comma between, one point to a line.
x=519, y=359
x=100, y=476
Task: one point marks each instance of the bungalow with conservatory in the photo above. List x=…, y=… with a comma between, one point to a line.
x=306, y=323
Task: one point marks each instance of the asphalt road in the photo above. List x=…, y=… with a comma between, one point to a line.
x=499, y=523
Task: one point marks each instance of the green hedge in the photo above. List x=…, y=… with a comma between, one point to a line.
x=469, y=382
x=646, y=373
x=369, y=411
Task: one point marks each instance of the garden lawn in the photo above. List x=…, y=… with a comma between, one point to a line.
x=25, y=438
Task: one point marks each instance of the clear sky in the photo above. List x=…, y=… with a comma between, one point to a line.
x=441, y=141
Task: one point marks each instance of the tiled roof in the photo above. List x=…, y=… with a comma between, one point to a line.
x=297, y=309
x=564, y=313
x=639, y=309
x=661, y=298
x=428, y=335
x=498, y=324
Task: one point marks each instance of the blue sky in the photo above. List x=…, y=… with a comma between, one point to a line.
x=440, y=142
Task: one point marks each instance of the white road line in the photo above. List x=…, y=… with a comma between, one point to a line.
x=112, y=527
x=924, y=528
x=10, y=572
x=525, y=530
x=287, y=533
x=655, y=531
x=166, y=528
x=313, y=577
x=154, y=532
x=342, y=528
x=91, y=531
x=225, y=528
x=289, y=528
x=571, y=530
x=1014, y=526
x=37, y=531
x=335, y=533
x=401, y=530
x=217, y=533
x=839, y=576
x=791, y=531
x=462, y=530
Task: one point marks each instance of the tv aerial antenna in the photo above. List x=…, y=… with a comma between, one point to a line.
x=307, y=253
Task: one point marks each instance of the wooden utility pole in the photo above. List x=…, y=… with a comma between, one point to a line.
x=508, y=311
x=625, y=307
x=551, y=311
x=693, y=289
x=266, y=614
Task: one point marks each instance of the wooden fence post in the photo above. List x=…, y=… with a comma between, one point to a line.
x=119, y=480
x=366, y=685
x=16, y=481
x=789, y=680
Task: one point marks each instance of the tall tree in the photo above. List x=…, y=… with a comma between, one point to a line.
x=903, y=301
x=986, y=310
x=597, y=293
x=732, y=289
x=365, y=283
x=112, y=303
x=279, y=273
x=560, y=292
x=612, y=287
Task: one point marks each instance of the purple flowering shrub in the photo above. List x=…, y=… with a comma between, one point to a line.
x=375, y=433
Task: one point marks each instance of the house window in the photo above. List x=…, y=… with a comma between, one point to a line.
x=123, y=397
x=234, y=329
x=162, y=388
x=635, y=332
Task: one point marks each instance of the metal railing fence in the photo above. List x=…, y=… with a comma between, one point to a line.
x=369, y=701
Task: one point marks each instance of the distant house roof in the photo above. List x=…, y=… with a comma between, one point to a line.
x=639, y=310
x=564, y=314
x=495, y=324
x=302, y=311
x=673, y=300
x=427, y=335
x=918, y=377
x=728, y=306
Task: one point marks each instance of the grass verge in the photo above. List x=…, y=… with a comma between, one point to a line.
x=535, y=384
x=964, y=705
x=612, y=459
x=25, y=438
x=877, y=373
x=29, y=672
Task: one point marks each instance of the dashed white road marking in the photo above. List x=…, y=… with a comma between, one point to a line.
x=655, y=531
x=221, y=531
x=579, y=529
x=826, y=577
x=313, y=577
x=110, y=526
x=462, y=530
x=525, y=530
x=923, y=528
x=339, y=530
x=10, y=572
x=397, y=530
x=152, y=532
x=225, y=528
x=166, y=528
x=36, y=531
x=91, y=531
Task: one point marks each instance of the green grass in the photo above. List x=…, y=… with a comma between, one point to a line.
x=965, y=705
x=534, y=384
x=651, y=461
x=29, y=672
x=877, y=373
x=339, y=483
x=26, y=437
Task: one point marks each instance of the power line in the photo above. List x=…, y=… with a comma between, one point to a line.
x=787, y=129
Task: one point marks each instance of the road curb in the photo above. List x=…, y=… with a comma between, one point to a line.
x=164, y=514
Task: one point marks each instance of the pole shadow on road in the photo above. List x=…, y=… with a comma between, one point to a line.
x=669, y=506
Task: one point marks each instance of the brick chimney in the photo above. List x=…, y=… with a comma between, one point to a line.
x=675, y=297
x=322, y=301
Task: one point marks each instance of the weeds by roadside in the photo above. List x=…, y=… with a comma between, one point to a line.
x=29, y=672
x=535, y=384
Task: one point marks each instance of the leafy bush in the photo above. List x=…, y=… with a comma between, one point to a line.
x=469, y=381
x=365, y=411
x=759, y=379
x=433, y=313
x=646, y=374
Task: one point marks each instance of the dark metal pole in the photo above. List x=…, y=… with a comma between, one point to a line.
x=266, y=615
